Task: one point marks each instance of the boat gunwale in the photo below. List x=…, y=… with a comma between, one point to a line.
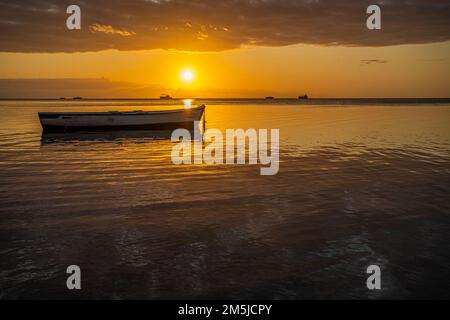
x=119, y=113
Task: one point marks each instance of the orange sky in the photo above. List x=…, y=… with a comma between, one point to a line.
x=281, y=48
x=396, y=71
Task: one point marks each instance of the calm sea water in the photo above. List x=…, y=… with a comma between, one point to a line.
x=360, y=183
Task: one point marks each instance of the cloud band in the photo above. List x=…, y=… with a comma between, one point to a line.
x=199, y=25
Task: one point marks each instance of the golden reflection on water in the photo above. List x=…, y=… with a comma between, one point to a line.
x=302, y=128
x=351, y=181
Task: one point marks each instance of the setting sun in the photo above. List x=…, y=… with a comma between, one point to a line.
x=187, y=76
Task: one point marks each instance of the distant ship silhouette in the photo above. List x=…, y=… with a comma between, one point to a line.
x=165, y=97
x=305, y=96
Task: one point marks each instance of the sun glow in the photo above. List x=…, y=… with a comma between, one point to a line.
x=187, y=76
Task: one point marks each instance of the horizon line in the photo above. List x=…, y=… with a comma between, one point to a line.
x=233, y=98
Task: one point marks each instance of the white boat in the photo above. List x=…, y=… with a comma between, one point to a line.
x=116, y=120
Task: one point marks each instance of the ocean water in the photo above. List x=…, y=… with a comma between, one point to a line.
x=361, y=182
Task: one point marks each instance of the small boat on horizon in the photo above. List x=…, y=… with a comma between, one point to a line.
x=121, y=120
x=303, y=97
x=165, y=97
x=270, y=98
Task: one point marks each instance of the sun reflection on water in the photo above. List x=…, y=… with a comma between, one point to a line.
x=187, y=103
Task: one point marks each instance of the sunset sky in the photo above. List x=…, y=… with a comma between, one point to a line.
x=224, y=48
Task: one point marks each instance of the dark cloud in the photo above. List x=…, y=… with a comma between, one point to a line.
x=374, y=61
x=68, y=88
x=200, y=25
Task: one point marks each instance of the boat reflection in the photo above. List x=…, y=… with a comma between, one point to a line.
x=51, y=138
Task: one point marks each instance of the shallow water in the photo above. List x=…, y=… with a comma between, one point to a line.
x=359, y=184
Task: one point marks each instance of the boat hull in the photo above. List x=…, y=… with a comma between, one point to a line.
x=112, y=121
